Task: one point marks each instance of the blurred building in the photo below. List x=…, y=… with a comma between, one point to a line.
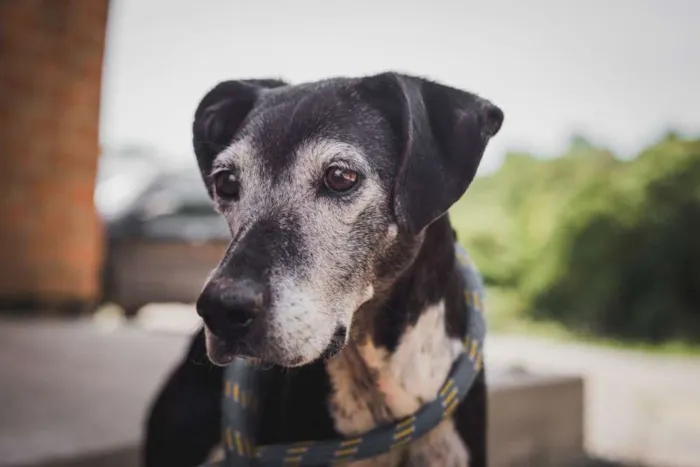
x=50, y=244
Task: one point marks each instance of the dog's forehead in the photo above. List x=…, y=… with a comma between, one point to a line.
x=286, y=121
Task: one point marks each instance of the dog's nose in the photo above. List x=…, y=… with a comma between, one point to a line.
x=227, y=305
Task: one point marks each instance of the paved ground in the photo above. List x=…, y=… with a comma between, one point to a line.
x=67, y=388
x=639, y=407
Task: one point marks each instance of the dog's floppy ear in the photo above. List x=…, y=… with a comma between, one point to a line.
x=441, y=133
x=220, y=114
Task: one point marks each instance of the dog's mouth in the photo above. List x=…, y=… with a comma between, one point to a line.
x=221, y=352
x=336, y=344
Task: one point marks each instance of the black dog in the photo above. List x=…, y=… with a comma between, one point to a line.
x=341, y=273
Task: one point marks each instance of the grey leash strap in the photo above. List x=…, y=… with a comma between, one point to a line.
x=239, y=410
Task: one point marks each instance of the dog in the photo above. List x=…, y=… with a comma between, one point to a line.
x=340, y=278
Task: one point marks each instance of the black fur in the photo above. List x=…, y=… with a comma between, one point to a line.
x=184, y=423
x=219, y=115
x=425, y=141
x=442, y=132
x=439, y=133
x=432, y=277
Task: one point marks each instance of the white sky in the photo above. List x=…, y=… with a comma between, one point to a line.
x=619, y=71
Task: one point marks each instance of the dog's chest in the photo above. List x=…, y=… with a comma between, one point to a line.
x=372, y=387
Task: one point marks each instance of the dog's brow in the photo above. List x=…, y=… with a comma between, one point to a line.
x=327, y=150
x=232, y=154
x=222, y=161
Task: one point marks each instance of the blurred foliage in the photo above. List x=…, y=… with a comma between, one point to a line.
x=607, y=247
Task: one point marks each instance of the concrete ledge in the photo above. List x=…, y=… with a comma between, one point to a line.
x=535, y=420
x=74, y=395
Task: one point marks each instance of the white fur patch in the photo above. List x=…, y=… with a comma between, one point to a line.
x=392, y=232
x=300, y=324
x=424, y=356
x=405, y=380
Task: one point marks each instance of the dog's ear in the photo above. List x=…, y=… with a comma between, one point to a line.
x=441, y=134
x=220, y=114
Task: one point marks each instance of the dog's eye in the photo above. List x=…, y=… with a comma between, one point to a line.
x=338, y=179
x=226, y=184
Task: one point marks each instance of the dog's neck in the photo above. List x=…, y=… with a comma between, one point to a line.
x=406, y=343
x=401, y=351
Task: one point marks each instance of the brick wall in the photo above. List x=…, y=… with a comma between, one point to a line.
x=50, y=75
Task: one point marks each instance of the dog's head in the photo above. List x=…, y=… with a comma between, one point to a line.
x=327, y=188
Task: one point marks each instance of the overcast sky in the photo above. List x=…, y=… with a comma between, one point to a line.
x=620, y=71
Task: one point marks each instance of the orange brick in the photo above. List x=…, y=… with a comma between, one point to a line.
x=51, y=51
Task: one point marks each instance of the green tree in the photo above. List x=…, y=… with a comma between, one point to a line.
x=604, y=246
